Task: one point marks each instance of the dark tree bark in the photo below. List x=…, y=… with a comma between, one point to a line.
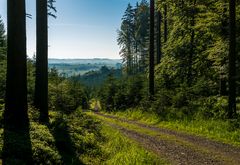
x=151, y=50
x=192, y=45
x=41, y=83
x=232, y=60
x=159, y=37
x=129, y=61
x=165, y=23
x=15, y=116
x=223, y=86
x=224, y=34
x=16, y=84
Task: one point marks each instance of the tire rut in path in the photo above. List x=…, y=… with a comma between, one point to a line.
x=220, y=153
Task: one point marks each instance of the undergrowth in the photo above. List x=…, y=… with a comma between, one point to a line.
x=73, y=138
x=66, y=139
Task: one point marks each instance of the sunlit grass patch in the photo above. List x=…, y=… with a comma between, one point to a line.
x=220, y=130
x=122, y=151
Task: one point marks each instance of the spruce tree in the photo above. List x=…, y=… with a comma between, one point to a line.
x=16, y=83
x=126, y=38
x=159, y=37
x=2, y=33
x=151, y=50
x=232, y=60
x=41, y=82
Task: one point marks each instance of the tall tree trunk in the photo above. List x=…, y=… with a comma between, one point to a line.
x=129, y=61
x=192, y=45
x=151, y=50
x=136, y=58
x=224, y=34
x=223, y=86
x=16, y=83
x=41, y=83
x=159, y=37
x=232, y=60
x=165, y=23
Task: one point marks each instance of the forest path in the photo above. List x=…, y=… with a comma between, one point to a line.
x=176, y=147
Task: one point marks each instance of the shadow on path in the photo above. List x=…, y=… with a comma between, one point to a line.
x=64, y=143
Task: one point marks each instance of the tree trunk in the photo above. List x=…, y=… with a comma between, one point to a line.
x=159, y=37
x=165, y=23
x=129, y=61
x=224, y=34
x=223, y=87
x=192, y=45
x=41, y=83
x=151, y=50
x=16, y=83
x=232, y=61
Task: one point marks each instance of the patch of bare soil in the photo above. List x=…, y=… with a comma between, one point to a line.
x=205, y=151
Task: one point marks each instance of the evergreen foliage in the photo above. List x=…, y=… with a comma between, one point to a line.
x=3, y=55
x=132, y=38
x=2, y=34
x=194, y=47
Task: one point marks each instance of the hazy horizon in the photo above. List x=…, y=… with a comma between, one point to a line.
x=98, y=58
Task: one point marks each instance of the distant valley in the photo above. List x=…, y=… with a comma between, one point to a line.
x=73, y=67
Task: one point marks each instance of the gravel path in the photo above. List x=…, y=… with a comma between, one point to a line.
x=199, y=151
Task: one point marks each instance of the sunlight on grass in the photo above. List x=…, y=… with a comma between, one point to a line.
x=215, y=129
x=123, y=151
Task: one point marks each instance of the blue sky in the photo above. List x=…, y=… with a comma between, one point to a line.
x=83, y=28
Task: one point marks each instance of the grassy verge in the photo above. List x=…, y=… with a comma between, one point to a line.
x=219, y=130
x=132, y=127
x=158, y=135
x=122, y=151
x=73, y=138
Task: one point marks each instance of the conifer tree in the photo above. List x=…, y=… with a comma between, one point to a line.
x=41, y=82
x=16, y=83
x=151, y=50
x=126, y=38
x=232, y=60
x=159, y=36
x=2, y=34
x=44, y=8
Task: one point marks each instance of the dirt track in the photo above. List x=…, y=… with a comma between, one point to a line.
x=180, y=148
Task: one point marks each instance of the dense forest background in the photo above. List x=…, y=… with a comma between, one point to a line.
x=191, y=40
x=180, y=62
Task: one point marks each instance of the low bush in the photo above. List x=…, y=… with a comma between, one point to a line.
x=66, y=139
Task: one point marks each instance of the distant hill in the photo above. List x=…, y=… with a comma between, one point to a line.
x=84, y=61
x=97, y=78
x=71, y=67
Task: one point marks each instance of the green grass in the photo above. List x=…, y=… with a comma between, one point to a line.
x=129, y=126
x=122, y=151
x=219, y=130
x=72, y=139
x=159, y=135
